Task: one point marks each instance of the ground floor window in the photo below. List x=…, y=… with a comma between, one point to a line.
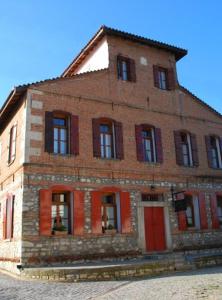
x=61, y=213
x=192, y=211
x=219, y=209
x=109, y=213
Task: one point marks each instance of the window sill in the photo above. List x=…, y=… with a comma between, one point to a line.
x=68, y=155
x=108, y=159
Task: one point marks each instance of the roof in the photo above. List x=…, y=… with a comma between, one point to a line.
x=104, y=31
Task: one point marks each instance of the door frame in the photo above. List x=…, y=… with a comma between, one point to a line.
x=141, y=222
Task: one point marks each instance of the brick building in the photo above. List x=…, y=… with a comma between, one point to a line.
x=89, y=159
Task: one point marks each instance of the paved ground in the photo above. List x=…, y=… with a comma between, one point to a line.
x=202, y=284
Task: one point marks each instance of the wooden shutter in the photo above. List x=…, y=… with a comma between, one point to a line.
x=45, y=207
x=119, y=140
x=96, y=215
x=178, y=148
x=213, y=207
x=4, y=235
x=156, y=76
x=132, y=70
x=125, y=212
x=96, y=137
x=220, y=141
x=48, y=132
x=139, y=143
x=119, y=69
x=182, y=220
x=78, y=213
x=159, y=148
x=194, y=149
x=209, y=152
x=171, y=80
x=9, y=217
x=203, y=212
x=74, y=135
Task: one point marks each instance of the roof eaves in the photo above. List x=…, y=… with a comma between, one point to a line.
x=200, y=100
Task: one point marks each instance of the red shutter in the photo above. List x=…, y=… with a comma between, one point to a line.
x=4, y=219
x=125, y=212
x=156, y=76
x=214, y=216
x=220, y=146
x=96, y=138
x=203, y=212
x=96, y=216
x=132, y=70
x=209, y=152
x=171, y=80
x=159, y=148
x=78, y=213
x=139, y=143
x=119, y=140
x=178, y=148
x=182, y=220
x=74, y=135
x=194, y=149
x=45, y=207
x=48, y=132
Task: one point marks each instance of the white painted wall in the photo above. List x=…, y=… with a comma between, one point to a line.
x=98, y=59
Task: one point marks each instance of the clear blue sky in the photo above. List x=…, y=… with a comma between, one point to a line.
x=38, y=39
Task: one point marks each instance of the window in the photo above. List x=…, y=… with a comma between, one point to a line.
x=106, y=141
x=12, y=144
x=190, y=211
x=8, y=218
x=215, y=152
x=109, y=213
x=61, y=215
x=219, y=209
x=60, y=135
x=148, y=145
x=107, y=138
x=186, y=149
x=152, y=197
x=126, y=69
x=164, y=78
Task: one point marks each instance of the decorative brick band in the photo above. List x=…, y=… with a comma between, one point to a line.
x=8, y=259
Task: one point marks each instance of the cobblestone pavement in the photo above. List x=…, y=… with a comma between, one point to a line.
x=201, y=284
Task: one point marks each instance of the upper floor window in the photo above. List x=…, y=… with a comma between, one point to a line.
x=107, y=138
x=214, y=151
x=148, y=143
x=186, y=149
x=126, y=68
x=164, y=78
x=12, y=144
x=61, y=133
x=106, y=141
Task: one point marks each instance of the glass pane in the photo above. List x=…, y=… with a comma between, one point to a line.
x=147, y=145
x=108, y=152
x=110, y=212
x=108, y=139
x=59, y=122
x=104, y=128
x=101, y=139
x=124, y=70
x=53, y=211
x=56, y=134
x=63, y=148
x=56, y=147
x=63, y=134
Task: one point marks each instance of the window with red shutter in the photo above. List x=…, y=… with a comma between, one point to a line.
x=186, y=149
x=96, y=214
x=164, y=78
x=125, y=212
x=214, y=211
x=78, y=213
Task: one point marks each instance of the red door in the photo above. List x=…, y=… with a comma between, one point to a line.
x=154, y=228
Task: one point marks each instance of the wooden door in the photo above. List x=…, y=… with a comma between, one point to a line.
x=154, y=228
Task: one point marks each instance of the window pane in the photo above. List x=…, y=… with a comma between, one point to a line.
x=124, y=70
x=63, y=148
x=108, y=140
x=63, y=134
x=59, y=122
x=56, y=147
x=104, y=128
x=56, y=133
